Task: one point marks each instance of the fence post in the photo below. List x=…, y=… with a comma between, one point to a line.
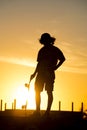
x=5, y=106
x=72, y=106
x=82, y=107
x=1, y=103
x=59, y=105
x=14, y=104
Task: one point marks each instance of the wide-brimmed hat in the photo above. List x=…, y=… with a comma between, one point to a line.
x=46, y=38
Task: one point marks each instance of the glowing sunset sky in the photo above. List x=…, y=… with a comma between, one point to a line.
x=21, y=24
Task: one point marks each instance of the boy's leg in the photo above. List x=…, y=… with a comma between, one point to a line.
x=38, y=100
x=39, y=84
x=50, y=100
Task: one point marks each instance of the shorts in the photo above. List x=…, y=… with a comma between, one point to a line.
x=44, y=81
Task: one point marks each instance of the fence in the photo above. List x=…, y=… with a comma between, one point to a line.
x=25, y=106
x=5, y=105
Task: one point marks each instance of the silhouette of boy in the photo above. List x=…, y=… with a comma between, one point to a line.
x=49, y=59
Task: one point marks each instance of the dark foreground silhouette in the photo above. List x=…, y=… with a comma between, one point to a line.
x=58, y=120
x=49, y=59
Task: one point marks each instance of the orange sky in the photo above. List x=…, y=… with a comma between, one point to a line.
x=21, y=24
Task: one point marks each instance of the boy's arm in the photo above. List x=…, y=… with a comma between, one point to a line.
x=59, y=63
x=61, y=59
x=35, y=72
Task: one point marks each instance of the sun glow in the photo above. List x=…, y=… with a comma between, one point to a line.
x=25, y=97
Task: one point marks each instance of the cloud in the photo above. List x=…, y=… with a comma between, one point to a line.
x=19, y=61
x=76, y=57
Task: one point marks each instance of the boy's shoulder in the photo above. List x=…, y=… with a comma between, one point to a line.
x=51, y=48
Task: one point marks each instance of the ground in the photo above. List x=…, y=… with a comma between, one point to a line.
x=25, y=120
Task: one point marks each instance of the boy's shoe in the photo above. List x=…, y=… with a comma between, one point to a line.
x=46, y=114
x=36, y=113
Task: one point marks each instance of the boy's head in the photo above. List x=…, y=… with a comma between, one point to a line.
x=47, y=39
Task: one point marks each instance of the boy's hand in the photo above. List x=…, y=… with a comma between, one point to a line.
x=32, y=76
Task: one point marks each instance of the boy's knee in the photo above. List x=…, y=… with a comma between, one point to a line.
x=50, y=94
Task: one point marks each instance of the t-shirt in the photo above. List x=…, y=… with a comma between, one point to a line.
x=48, y=57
